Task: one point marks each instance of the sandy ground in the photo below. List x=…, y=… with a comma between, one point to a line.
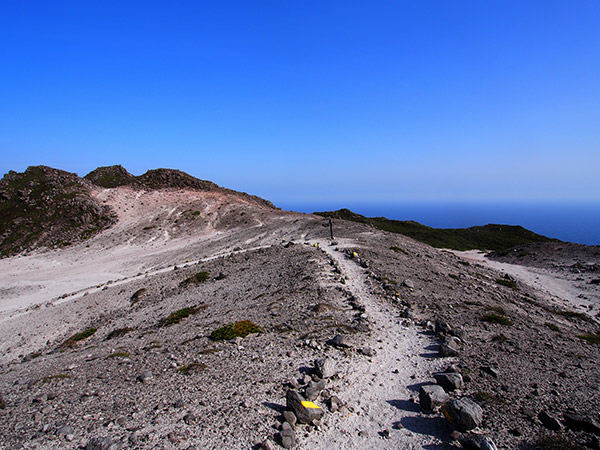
x=559, y=287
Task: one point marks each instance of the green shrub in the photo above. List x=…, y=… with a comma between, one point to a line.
x=453, y=275
x=496, y=318
x=149, y=227
x=574, y=315
x=499, y=338
x=592, y=339
x=2, y=403
x=464, y=263
x=197, y=278
x=552, y=326
x=399, y=250
x=195, y=213
x=508, y=283
x=178, y=316
x=73, y=340
x=119, y=332
x=190, y=368
x=238, y=329
x=118, y=355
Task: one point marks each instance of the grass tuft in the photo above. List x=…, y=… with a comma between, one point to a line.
x=118, y=355
x=592, y=339
x=73, y=340
x=552, y=326
x=177, y=316
x=399, y=250
x=119, y=332
x=197, y=278
x=499, y=338
x=241, y=329
x=191, y=368
x=554, y=442
x=496, y=318
x=508, y=283
x=137, y=295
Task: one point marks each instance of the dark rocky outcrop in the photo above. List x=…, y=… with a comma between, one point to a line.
x=46, y=207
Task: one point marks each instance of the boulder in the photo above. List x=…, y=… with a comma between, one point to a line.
x=287, y=436
x=549, y=421
x=325, y=367
x=577, y=422
x=340, y=341
x=432, y=396
x=313, y=389
x=304, y=410
x=450, y=347
x=463, y=413
x=472, y=441
x=450, y=381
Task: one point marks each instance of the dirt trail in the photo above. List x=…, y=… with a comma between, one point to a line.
x=380, y=388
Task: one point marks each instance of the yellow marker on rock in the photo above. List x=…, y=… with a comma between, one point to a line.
x=310, y=405
x=355, y=254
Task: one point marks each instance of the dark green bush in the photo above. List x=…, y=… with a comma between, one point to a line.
x=190, y=368
x=238, y=329
x=178, y=316
x=197, y=278
x=508, y=283
x=496, y=318
x=552, y=326
x=593, y=339
x=73, y=340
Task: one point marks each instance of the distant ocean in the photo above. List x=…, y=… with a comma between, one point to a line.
x=573, y=222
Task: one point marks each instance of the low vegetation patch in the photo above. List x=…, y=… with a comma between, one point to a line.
x=241, y=329
x=137, y=295
x=197, y=278
x=463, y=262
x=552, y=326
x=499, y=338
x=399, y=250
x=58, y=376
x=119, y=332
x=179, y=315
x=591, y=338
x=73, y=340
x=496, y=318
x=486, y=397
x=573, y=315
x=508, y=283
x=453, y=276
x=118, y=355
x=2, y=403
x=191, y=368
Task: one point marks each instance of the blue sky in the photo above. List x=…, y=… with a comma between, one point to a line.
x=342, y=101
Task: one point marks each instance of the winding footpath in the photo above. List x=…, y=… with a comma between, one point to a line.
x=379, y=389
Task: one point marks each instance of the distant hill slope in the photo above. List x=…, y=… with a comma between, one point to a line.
x=49, y=208
x=114, y=176
x=488, y=237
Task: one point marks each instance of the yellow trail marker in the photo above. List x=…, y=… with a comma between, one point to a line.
x=316, y=244
x=310, y=405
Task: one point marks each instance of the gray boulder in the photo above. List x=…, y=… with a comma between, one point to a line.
x=463, y=414
x=450, y=381
x=476, y=442
x=432, y=396
x=450, y=347
x=549, y=421
x=578, y=422
x=287, y=436
x=305, y=411
x=313, y=390
x=325, y=367
x=340, y=341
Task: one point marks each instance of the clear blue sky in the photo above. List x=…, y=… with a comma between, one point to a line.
x=384, y=101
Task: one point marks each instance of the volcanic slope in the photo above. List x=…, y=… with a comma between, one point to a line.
x=114, y=338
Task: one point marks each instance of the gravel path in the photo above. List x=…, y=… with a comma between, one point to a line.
x=381, y=388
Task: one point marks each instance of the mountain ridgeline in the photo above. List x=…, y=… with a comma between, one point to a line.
x=52, y=208
x=491, y=237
